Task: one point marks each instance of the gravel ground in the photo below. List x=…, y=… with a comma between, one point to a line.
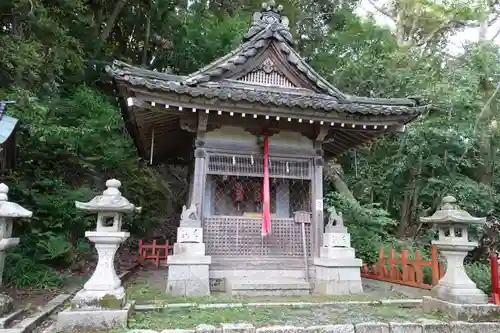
x=190, y=318
x=149, y=286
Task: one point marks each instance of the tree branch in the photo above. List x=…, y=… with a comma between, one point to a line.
x=381, y=10
x=495, y=35
x=110, y=23
x=438, y=29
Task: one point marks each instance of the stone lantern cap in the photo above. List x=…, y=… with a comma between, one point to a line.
x=111, y=200
x=10, y=209
x=449, y=213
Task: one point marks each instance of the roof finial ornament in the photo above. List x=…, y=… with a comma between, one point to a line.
x=271, y=6
x=269, y=23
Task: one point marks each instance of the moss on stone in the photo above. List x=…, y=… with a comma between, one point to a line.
x=110, y=302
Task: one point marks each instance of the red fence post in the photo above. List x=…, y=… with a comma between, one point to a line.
x=435, y=265
x=404, y=265
x=381, y=265
x=418, y=268
x=392, y=266
x=495, y=289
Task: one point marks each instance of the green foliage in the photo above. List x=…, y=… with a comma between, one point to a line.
x=369, y=226
x=69, y=147
x=481, y=275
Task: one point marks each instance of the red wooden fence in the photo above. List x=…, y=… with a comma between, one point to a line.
x=495, y=288
x=402, y=270
x=158, y=253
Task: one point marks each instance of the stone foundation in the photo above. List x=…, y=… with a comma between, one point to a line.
x=188, y=275
x=465, y=312
x=99, y=319
x=424, y=326
x=337, y=276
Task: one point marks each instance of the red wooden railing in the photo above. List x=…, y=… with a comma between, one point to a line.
x=158, y=253
x=410, y=271
x=495, y=288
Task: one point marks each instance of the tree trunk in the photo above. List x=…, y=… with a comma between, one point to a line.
x=405, y=211
x=111, y=21
x=342, y=188
x=144, y=60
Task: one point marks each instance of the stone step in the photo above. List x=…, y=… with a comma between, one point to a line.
x=274, y=287
x=256, y=274
x=258, y=263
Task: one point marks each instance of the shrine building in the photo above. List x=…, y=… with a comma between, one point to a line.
x=257, y=126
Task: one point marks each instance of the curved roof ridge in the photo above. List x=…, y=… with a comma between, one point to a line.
x=120, y=68
x=294, y=57
x=228, y=62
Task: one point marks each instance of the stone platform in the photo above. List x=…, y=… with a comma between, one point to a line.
x=71, y=320
x=465, y=312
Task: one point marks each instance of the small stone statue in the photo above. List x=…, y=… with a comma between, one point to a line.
x=335, y=222
x=334, y=219
x=189, y=214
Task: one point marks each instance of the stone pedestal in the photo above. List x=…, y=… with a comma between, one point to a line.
x=104, y=287
x=102, y=303
x=188, y=267
x=456, y=294
x=8, y=211
x=337, y=269
x=456, y=286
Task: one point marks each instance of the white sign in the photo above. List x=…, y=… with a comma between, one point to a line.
x=336, y=240
x=319, y=205
x=189, y=235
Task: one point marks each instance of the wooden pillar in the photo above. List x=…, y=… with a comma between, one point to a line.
x=200, y=164
x=317, y=193
x=199, y=179
x=317, y=221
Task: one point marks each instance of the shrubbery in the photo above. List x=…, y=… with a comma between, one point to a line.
x=68, y=148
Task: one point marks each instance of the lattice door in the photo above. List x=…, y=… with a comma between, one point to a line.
x=241, y=236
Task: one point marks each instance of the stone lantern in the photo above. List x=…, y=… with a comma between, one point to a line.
x=456, y=294
x=103, y=294
x=8, y=211
x=454, y=244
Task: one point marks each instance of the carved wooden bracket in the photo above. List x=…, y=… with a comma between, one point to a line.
x=323, y=132
x=202, y=122
x=188, y=123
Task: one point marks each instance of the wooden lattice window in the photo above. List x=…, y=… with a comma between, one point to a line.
x=253, y=166
x=287, y=196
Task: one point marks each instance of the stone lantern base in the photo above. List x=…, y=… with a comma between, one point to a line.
x=462, y=312
x=102, y=303
x=97, y=319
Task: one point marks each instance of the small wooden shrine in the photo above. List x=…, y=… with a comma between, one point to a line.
x=257, y=125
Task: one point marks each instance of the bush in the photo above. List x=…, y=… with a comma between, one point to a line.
x=368, y=226
x=480, y=273
x=68, y=148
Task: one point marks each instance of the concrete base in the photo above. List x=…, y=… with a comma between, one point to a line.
x=461, y=294
x=337, y=276
x=114, y=299
x=98, y=319
x=188, y=275
x=462, y=312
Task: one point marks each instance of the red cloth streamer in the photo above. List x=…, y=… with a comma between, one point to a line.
x=266, y=205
